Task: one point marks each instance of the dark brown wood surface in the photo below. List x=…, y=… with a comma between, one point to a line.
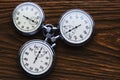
x=99, y=59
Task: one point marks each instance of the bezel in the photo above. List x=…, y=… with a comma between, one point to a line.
x=33, y=31
x=53, y=60
x=60, y=21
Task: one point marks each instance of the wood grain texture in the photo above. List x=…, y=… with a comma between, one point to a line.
x=99, y=59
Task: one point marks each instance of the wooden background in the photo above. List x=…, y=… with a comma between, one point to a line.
x=99, y=59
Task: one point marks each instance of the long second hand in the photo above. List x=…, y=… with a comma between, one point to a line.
x=37, y=55
x=73, y=28
x=30, y=19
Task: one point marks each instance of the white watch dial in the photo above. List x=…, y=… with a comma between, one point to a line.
x=28, y=17
x=76, y=26
x=36, y=57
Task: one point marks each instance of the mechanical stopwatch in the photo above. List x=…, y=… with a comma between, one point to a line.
x=36, y=58
x=76, y=27
x=28, y=17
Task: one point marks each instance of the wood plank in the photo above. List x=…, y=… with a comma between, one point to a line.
x=99, y=59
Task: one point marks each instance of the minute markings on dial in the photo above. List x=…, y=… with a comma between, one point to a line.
x=18, y=13
x=70, y=36
x=26, y=59
x=75, y=37
x=26, y=53
x=26, y=64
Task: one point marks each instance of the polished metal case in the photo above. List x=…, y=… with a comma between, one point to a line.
x=42, y=22
x=61, y=36
x=41, y=75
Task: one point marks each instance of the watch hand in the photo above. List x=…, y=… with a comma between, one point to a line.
x=25, y=17
x=73, y=28
x=33, y=21
x=30, y=19
x=43, y=54
x=37, y=55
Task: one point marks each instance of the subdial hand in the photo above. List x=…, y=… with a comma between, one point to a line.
x=37, y=55
x=30, y=19
x=73, y=28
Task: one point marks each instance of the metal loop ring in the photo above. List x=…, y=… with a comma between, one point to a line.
x=49, y=28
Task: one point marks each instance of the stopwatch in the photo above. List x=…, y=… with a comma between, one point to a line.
x=28, y=18
x=36, y=58
x=76, y=27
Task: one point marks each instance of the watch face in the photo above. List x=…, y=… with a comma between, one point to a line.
x=28, y=17
x=36, y=57
x=76, y=26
